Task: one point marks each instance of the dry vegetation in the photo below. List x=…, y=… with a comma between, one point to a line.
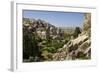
x=43, y=41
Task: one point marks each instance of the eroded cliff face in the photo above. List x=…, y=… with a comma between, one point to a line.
x=80, y=47
x=87, y=24
x=37, y=32
x=36, y=35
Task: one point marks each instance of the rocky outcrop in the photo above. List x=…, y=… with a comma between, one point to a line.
x=41, y=28
x=35, y=34
x=87, y=24
x=76, y=48
x=80, y=47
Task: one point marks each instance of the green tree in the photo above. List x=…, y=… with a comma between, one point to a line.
x=30, y=44
x=76, y=32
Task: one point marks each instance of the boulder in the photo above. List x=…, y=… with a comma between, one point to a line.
x=79, y=40
x=84, y=46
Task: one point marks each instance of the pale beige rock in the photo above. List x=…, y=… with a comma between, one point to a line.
x=26, y=24
x=80, y=39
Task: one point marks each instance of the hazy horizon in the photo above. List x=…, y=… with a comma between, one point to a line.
x=58, y=19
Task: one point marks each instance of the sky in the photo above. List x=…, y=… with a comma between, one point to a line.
x=59, y=19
